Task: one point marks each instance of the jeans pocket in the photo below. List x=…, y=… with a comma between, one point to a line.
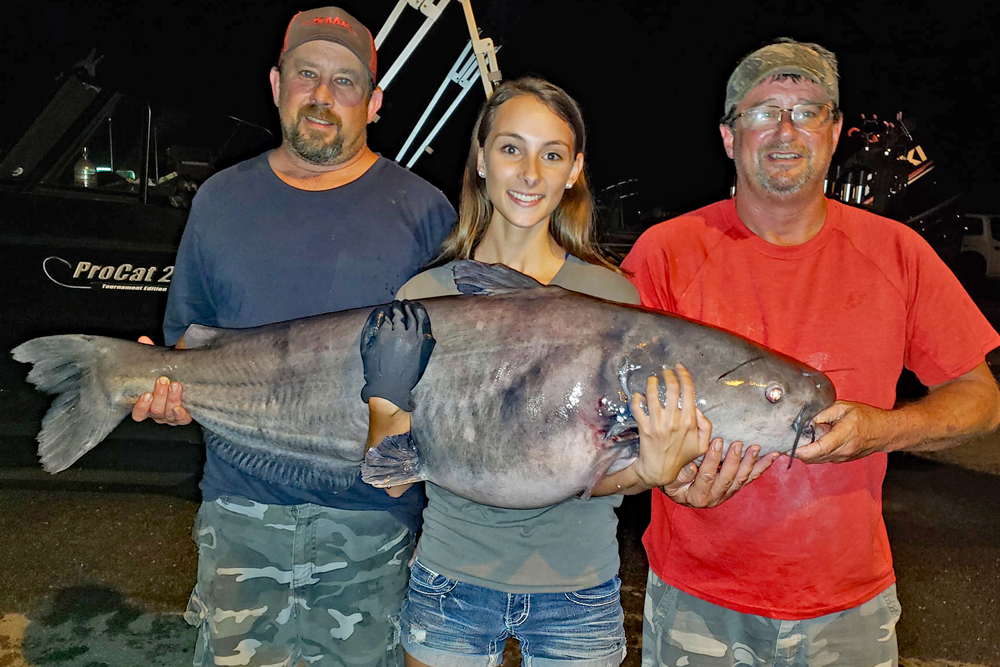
x=429, y=582
x=598, y=596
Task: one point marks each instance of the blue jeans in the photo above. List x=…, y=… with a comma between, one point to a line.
x=448, y=623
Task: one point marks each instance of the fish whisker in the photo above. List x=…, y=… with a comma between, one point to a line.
x=832, y=370
x=797, y=427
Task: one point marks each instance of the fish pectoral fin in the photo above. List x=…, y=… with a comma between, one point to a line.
x=479, y=279
x=616, y=456
x=394, y=461
x=199, y=335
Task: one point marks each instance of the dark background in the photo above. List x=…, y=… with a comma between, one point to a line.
x=650, y=76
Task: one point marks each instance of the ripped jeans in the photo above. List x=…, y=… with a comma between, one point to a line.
x=449, y=623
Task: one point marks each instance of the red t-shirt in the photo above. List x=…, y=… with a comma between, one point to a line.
x=863, y=298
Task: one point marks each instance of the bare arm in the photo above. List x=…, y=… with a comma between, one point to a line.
x=385, y=419
x=163, y=404
x=950, y=414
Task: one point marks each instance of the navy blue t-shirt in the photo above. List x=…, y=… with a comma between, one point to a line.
x=257, y=250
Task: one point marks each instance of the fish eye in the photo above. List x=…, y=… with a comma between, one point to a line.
x=774, y=392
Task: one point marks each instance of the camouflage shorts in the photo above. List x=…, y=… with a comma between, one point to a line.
x=281, y=584
x=680, y=629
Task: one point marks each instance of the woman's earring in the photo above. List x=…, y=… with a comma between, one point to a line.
x=569, y=185
x=482, y=174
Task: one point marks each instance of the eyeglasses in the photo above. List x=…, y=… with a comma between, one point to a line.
x=803, y=116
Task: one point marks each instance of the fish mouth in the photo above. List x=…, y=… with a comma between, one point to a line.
x=804, y=428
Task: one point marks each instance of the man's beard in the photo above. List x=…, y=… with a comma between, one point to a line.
x=313, y=146
x=783, y=186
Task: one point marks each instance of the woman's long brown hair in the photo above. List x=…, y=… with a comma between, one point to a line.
x=571, y=224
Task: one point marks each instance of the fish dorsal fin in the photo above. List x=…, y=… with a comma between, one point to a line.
x=479, y=279
x=198, y=335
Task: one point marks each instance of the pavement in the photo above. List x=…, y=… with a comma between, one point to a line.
x=98, y=568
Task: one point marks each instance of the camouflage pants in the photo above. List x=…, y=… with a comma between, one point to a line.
x=680, y=629
x=302, y=584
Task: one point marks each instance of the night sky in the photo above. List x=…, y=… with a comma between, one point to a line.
x=650, y=76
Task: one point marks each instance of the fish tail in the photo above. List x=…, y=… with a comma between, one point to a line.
x=84, y=412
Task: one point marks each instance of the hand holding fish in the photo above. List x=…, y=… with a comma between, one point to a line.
x=669, y=436
x=948, y=415
x=851, y=430
x=717, y=480
x=163, y=404
x=396, y=343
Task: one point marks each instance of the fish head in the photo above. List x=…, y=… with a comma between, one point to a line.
x=768, y=399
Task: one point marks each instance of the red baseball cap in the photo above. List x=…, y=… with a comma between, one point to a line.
x=334, y=25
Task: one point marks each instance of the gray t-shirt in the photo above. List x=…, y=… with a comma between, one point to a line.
x=566, y=547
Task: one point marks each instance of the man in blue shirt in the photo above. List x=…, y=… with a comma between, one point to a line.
x=319, y=224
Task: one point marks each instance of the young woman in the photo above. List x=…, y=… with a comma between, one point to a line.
x=547, y=576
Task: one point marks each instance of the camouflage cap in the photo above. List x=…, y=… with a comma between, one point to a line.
x=332, y=24
x=783, y=56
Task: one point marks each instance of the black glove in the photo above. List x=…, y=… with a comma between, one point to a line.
x=395, y=346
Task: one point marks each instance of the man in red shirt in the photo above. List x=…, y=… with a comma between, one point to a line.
x=796, y=569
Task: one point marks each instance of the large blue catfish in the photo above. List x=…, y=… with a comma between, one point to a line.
x=524, y=401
